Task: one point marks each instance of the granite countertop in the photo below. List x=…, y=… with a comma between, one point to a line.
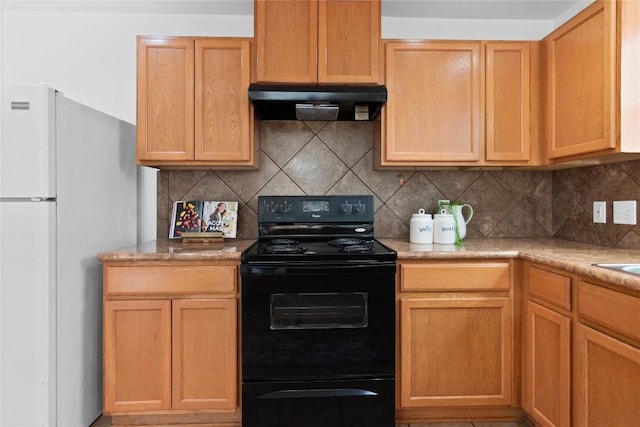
x=570, y=256
x=175, y=250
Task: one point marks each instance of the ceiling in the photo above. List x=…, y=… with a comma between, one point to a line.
x=432, y=9
x=477, y=9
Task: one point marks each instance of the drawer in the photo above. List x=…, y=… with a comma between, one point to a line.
x=614, y=310
x=551, y=287
x=192, y=279
x=456, y=276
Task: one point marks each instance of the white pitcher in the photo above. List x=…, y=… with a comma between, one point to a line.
x=457, y=211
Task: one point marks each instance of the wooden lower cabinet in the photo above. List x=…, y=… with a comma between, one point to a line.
x=164, y=354
x=607, y=357
x=455, y=352
x=547, y=366
x=171, y=343
x=205, y=372
x=607, y=382
x=137, y=355
x=546, y=345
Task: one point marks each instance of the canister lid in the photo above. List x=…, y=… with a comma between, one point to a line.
x=421, y=214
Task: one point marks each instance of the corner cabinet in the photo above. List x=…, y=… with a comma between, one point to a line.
x=457, y=103
x=592, y=85
x=581, y=79
x=192, y=104
x=323, y=41
x=456, y=340
x=546, y=356
x=171, y=340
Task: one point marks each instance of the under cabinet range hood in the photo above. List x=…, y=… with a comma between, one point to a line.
x=317, y=102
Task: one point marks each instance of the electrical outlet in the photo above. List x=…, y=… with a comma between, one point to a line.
x=600, y=212
x=624, y=212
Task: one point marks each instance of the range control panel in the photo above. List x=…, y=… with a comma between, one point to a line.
x=310, y=209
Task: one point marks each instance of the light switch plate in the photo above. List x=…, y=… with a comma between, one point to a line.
x=624, y=212
x=600, y=212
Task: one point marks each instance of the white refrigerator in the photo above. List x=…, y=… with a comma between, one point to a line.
x=67, y=192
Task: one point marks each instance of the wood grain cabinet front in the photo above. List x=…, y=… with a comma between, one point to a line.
x=593, y=93
x=171, y=341
x=456, y=339
x=317, y=41
x=581, y=79
x=455, y=352
x=454, y=103
x=546, y=355
x=607, y=360
x=193, y=109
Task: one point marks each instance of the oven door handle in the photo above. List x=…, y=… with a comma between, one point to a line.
x=318, y=393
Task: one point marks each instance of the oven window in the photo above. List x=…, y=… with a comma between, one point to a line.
x=319, y=310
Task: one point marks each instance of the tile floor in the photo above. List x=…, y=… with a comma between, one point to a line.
x=106, y=422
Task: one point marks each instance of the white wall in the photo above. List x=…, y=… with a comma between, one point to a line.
x=91, y=57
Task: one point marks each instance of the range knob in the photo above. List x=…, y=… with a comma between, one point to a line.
x=346, y=208
x=272, y=209
x=286, y=208
x=359, y=208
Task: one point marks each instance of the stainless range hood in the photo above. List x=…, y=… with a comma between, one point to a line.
x=317, y=102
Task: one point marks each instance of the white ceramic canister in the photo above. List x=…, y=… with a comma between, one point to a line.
x=421, y=228
x=444, y=228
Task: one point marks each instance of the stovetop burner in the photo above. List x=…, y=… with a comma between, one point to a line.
x=283, y=242
x=360, y=249
x=284, y=249
x=342, y=242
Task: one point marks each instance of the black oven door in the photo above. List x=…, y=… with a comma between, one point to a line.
x=318, y=322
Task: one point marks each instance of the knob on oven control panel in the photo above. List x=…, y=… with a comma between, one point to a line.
x=291, y=209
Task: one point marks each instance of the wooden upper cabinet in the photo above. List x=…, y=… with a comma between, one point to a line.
x=508, y=92
x=325, y=41
x=193, y=108
x=348, y=41
x=223, y=115
x=286, y=34
x=460, y=103
x=433, y=113
x=581, y=78
x=165, y=99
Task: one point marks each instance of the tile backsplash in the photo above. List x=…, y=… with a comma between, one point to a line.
x=316, y=158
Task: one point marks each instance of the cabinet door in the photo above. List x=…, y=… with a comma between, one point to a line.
x=348, y=41
x=165, y=99
x=455, y=352
x=223, y=116
x=433, y=112
x=286, y=34
x=205, y=372
x=508, y=101
x=137, y=355
x=607, y=379
x=547, y=366
x=581, y=57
